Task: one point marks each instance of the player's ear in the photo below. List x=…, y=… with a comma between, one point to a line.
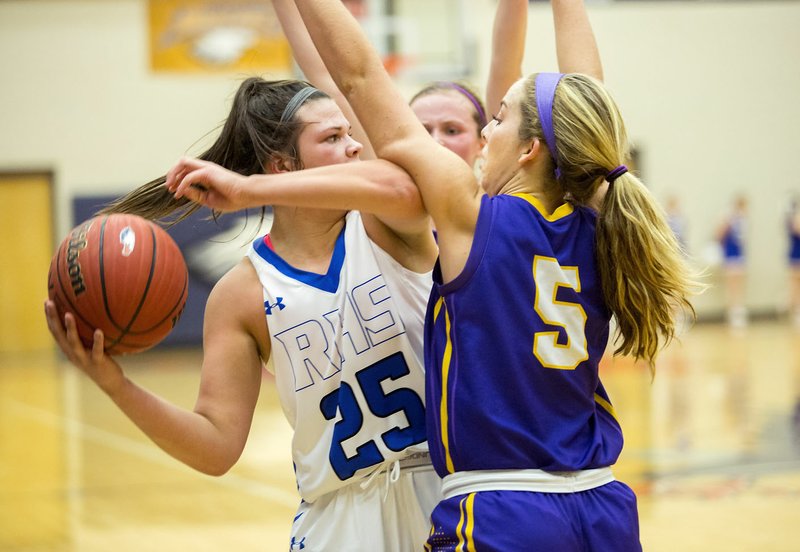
x=530, y=151
x=280, y=163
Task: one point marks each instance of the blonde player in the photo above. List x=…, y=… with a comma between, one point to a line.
x=528, y=277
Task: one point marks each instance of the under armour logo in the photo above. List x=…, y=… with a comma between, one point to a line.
x=279, y=303
x=297, y=545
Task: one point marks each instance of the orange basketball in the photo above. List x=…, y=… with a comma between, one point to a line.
x=122, y=274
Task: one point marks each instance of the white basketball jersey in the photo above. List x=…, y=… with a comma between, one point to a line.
x=347, y=357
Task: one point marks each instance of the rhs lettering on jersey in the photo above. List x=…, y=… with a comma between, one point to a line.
x=367, y=319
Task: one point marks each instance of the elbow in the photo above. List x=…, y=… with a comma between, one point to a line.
x=398, y=190
x=407, y=198
x=213, y=462
x=598, y=74
x=215, y=468
x=409, y=193
x=218, y=471
x=400, y=181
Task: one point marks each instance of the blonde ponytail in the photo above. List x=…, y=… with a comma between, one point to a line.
x=262, y=125
x=645, y=278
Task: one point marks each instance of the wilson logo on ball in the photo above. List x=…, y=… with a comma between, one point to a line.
x=74, y=247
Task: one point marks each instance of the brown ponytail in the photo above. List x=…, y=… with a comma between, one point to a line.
x=251, y=136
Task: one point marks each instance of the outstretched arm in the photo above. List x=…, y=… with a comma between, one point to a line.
x=314, y=69
x=389, y=201
x=508, y=49
x=449, y=189
x=211, y=437
x=576, y=46
x=377, y=187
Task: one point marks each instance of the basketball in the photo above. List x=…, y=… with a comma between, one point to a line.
x=122, y=274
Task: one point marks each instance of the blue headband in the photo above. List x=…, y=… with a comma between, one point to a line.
x=546, y=84
x=296, y=103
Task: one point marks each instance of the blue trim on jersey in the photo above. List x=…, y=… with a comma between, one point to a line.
x=326, y=282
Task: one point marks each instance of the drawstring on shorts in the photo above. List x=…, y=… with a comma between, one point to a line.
x=392, y=470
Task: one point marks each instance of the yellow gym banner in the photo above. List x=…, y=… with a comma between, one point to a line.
x=195, y=36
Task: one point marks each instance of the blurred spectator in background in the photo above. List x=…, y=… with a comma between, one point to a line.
x=677, y=221
x=731, y=237
x=793, y=227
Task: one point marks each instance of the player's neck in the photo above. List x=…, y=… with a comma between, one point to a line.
x=306, y=244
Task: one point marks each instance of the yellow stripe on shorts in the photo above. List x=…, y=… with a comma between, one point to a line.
x=466, y=525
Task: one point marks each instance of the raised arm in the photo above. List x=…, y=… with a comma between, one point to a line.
x=314, y=70
x=576, y=46
x=449, y=189
x=577, y=52
x=508, y=49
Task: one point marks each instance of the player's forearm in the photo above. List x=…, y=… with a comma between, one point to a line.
x=185, y=435
x=378, y=187
x=358, y=72
x=508, y=49
x=394, y=130
x=576, y=46
x=312, y=66
x=302, y=47
x=340, y=43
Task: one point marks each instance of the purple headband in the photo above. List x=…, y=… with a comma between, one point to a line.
x=546, y=84
x=616, y=173
x=471, y=97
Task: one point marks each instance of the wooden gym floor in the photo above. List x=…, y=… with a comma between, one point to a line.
x=712, y=449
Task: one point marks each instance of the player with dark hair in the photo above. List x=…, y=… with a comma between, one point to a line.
x=333, y=297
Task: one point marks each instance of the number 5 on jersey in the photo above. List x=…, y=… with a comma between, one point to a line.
x=549, y=276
